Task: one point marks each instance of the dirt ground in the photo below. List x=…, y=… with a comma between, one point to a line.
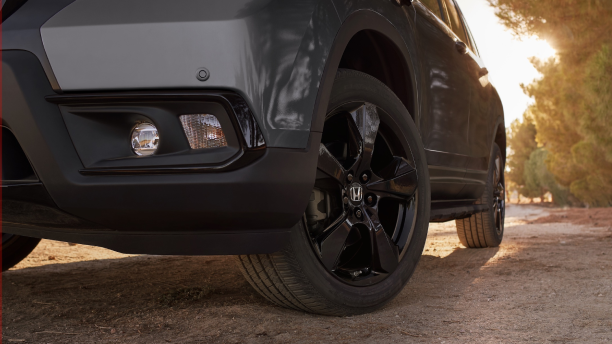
x=550, y=281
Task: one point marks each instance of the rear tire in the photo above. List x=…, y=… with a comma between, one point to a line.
x=486, y=229
x=15, y=248
x=300, y=277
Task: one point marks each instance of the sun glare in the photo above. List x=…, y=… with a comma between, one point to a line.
x=506, y=57
x=536, y=47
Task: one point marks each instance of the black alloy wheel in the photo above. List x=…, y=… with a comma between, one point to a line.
x=365, y=225
x=366, y=189
x=499, y=203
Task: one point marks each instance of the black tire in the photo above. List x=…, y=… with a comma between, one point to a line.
x=297, y=278
x=15, y=248
x=486, y=229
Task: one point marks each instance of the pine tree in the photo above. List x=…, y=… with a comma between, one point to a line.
x=573, y=99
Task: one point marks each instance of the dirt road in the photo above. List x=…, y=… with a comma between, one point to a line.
x=548, y=282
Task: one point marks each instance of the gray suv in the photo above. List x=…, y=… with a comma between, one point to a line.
x=313, y=139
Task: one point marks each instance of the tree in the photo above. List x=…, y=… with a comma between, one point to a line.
x=521, y=143
x=575, y=28
x=572, y=111
x=596, y=121
x=539, y=180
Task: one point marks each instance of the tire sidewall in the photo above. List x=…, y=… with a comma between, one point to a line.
x=351, y=86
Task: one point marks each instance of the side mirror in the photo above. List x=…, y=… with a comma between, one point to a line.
x=461, y=47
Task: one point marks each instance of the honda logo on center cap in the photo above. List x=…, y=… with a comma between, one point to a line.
x=356, y=193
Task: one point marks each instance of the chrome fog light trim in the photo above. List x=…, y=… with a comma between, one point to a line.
x=203, y=131
x=145, y=139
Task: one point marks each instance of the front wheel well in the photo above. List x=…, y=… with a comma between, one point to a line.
x=373, y=53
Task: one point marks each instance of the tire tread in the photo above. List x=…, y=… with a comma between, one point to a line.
x=282, y=282
x=477, y=230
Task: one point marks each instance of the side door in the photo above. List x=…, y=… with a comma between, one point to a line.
x=445, y=100
x=479, y=133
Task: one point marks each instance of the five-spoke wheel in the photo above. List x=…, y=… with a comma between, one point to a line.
x=365, y=225
x=367, y=196
x=499, y=196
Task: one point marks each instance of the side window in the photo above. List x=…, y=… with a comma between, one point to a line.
x=434, y=6
x=469, y=32
x=472, y=42
x=456, y=24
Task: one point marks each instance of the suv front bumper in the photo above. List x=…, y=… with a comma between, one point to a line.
x=172, y=205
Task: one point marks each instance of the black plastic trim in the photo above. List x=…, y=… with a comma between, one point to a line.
x=243, y=159
x=190, y=243
x=16, y=168
x=21, y=31
x=354, y=23
x=446, y=211
x=29, y=204
x=28, y=210
x=11, y=6
x=251, y=136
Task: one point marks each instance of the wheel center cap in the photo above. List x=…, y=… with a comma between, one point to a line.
x=356, y=192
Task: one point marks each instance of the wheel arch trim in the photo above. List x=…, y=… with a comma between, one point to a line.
x=356, y=22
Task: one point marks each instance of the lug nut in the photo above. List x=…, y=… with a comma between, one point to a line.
x=358, y=213
x=345, y=200
x=349, y=177
x=364, y=177
x=370, y=199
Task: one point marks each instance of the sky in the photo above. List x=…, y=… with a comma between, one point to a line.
x=506, y=57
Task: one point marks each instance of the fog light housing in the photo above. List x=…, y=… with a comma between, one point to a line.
x=145, y=139
x=203, y=131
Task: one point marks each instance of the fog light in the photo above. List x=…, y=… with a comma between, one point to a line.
x=145, y=139
x=203, y=131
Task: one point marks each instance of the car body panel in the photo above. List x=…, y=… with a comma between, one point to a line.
x=271, y=52
x=21, y=31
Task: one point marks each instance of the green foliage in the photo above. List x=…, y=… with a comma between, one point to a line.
x=521, y=142
x=575, y=28
x=573, y=99
x=539, y=180
x=596, y=122
x=595, y=186
x=533, y=187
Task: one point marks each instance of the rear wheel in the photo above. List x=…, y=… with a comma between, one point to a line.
x=365, y=226
x=15, y=248
x=486, y=229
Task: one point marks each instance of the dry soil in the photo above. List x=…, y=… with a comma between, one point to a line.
x=550, y=281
